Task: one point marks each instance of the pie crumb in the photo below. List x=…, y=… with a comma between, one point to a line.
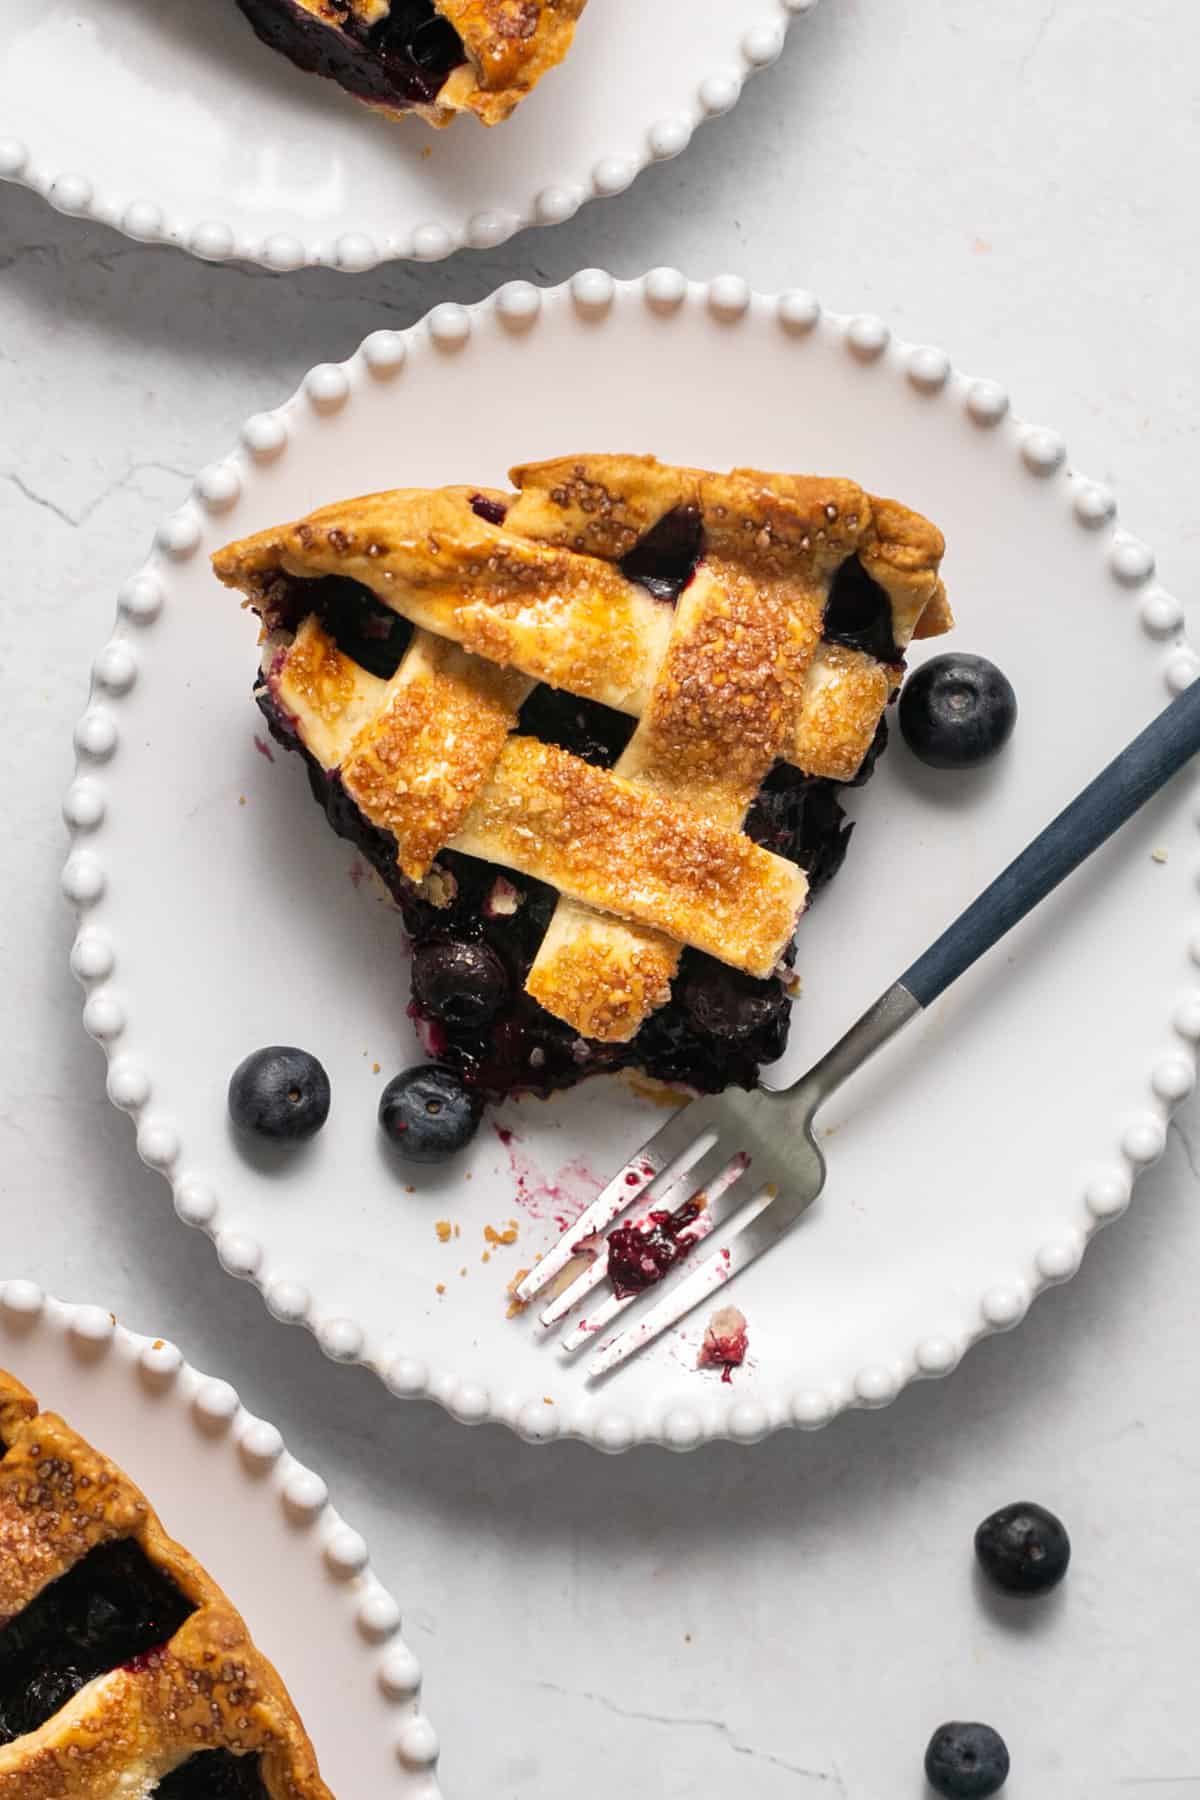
x=443, y=1229
x=725, y=1342
x=458, y=1231
x=515, y=1306
x=241, y=799
x=374, y=1068
x=462, y=1271
x=1158, y=856
x=409, y=1188
x=486, y=1257
x=546, y=1400
x=440, y=1288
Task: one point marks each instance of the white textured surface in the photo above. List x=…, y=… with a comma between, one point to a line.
x=960, y=180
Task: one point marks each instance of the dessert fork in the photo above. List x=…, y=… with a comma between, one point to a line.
x=742, y=1166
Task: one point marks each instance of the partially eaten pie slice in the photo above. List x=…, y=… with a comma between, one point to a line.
x=125, y=1673
x=590, y=733
x=436, y=58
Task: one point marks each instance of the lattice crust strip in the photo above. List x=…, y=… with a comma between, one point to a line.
x=735, y=677
x=436, y=765
x=208, y=1688
x=570, y=617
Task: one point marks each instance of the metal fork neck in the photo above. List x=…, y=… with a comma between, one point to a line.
x=889, y=1014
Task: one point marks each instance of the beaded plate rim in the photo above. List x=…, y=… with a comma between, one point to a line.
x=217, y=1412
x=214, y=239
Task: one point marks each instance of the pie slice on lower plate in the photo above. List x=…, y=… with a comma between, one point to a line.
x=435, y=58
x=590, y=733
x=125, y=1672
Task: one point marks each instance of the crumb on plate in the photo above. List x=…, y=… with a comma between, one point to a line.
x=725, y=1342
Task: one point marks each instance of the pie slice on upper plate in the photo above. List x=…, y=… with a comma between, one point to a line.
x=125, y=1673
x=436, y=58
x=590, y=733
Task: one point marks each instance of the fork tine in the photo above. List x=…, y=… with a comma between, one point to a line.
x=658, y=1153
x=722, y=1200
x=697, y=1176
x=751, y=1232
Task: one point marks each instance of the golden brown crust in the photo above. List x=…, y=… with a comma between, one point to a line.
x=626, y=849
x=733, y=678
x=538, y=593
x=511, y=45
x=208, y=1688
x=416, y=768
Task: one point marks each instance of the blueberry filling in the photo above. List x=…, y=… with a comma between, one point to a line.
x=214, y=1775
x=400, y=62
x=113, y=1607
x=641, y=1254
x=719, y=1027
x=362, y=627
x=665, y=559
x=858, y=613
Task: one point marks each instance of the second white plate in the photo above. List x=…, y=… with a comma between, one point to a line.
x=967, y=1167
x=225, y=1487
x=172, y=123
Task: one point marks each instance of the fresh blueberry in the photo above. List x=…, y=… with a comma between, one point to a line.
x=966, y=1762
x=1023, y=1548
x=458, y=981
x=428, y=1114
x=957, y=711
x=279, y=1093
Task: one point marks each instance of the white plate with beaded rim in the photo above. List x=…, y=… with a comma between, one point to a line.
x=920, y=1245
x=224, y=1485
x=256, y=162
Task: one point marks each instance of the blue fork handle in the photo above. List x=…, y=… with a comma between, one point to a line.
x=1089, y=821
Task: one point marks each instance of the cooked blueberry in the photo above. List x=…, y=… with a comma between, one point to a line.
x=957, y=711
x=460, y=982
x=417, y=47
x=728, y=1005
x=966, y=1762
x=858, y=613
x=279, y=1093
x=1023, y=1548
x=214, y=1775
x=639, y=1255
x=428, y=1114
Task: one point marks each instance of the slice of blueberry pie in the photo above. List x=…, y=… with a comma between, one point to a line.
x=590, y=733
x=436, y=58
x=125, y=1673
